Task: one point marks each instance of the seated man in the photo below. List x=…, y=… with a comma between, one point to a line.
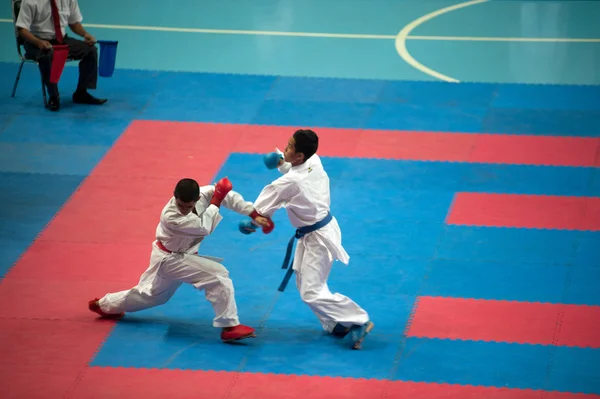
x=36, y=25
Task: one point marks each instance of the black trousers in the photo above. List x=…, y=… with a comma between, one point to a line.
x=78, y=50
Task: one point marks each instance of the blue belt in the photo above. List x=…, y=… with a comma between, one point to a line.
x=301, y=232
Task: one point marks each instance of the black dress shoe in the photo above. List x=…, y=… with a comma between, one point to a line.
x=53, y=103
x=83, y=97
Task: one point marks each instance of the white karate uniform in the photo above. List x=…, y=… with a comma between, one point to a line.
x=182, y=235
x=303, y=191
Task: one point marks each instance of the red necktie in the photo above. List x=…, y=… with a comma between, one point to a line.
x=56, y=19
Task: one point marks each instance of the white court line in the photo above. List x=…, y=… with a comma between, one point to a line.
x=505, y=39
x=403, y=34
x=331, y=35
x=244, y=32
x=235, y=32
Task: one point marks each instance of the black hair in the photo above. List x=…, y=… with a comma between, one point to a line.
x=307, y=142
x=187, y=190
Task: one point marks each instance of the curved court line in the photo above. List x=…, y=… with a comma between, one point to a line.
x=403, y=34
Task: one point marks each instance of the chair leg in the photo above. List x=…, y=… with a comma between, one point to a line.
x=44, y=91
x=17, y=79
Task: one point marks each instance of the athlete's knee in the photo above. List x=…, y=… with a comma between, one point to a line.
x=224, y=279
x=159, y=299
x=309, y=294
x=156, y=298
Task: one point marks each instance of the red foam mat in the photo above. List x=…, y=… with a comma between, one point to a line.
x=170, y=150
x=446, y=391
x=592, y=214
x=262, y=139
x=36, y=381
x=170, y=136
x=416, y=145
x=43, y=358
x=144, y=194
x=99, y=383
x=167, y=137
x=502, y=321
x=580, y=326
x=129, y=226
x=82, y=261
x=525, y=211
x=433, y=146
x=54, y=299
x=102, y=383
x=55, y=343
x=271, y=386
x=168, y=164
x=537, y=150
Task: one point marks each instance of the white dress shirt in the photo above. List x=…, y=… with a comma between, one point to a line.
x=36, y=17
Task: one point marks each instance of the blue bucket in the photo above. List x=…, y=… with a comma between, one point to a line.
x=108, y=56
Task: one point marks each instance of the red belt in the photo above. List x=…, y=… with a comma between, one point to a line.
x=161, y=246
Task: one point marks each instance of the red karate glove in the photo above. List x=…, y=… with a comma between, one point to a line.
x=265, y=222
x=222, y=188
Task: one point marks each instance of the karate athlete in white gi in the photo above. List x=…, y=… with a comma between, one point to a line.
x=189, y=216
x=303, y=191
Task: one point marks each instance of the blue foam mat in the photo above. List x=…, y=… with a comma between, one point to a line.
x=499, y=364
x=30, y=202
x=507, y=244
x=506, y=280
x=345, y=103
x=76, y=160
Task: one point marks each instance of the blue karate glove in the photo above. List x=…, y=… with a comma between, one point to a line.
x=245, y=225
x=272, y=159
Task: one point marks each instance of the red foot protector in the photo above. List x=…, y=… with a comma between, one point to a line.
x=503, y=321
x=525, y=211
x=535, y=150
